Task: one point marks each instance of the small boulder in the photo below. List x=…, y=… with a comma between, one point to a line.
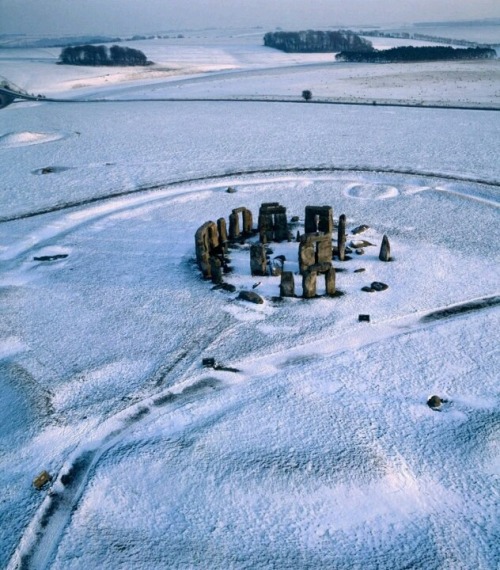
x=367, y=289
x=379, y=286
x=251, y=297
x=360, y=270
x=434, y=402
x=231, y=190
x=294, y=219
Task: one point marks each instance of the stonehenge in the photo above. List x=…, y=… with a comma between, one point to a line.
x=315, y=248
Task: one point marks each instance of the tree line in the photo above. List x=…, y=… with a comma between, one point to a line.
x=311, y=41
x=101, y=55
x=412, y=54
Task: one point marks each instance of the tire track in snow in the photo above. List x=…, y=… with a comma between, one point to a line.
x=304, y=170
x=40, y=541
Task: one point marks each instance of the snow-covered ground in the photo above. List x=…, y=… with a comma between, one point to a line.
x=320, y=452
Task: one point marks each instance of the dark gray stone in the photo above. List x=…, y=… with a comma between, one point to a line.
x=287, y=284
x=341, y=237
x=367, y=289
x=360, y=270
x=216, y=270
x=318, y=219
x=385, y=250
x=364, y=318
x=258, y=260
x=251, y=297
x=379, y=286
x=434, y=402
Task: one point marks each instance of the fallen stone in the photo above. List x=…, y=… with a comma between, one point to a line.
x=251, y=297
x=367, y=289
x=379, y=286
x=360, y=251
x=364, y=318
x=41, y=480
x=228, y=287
x=231, y=190
x=360, y=229
x=51, y=257
x=360, y=244
x=294, y=219
x=360, y=270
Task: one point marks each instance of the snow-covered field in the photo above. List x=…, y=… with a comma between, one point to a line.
x=320, y=452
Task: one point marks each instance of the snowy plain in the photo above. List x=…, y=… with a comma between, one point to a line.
x=320, y=452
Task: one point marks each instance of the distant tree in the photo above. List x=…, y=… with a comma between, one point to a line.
x=307, y=95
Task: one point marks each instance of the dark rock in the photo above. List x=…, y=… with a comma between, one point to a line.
x=360, y=270
x=364, y=318
x=251, y=297
x=209, y=362
x=287, y=284
x=231, y=190
x=378, y=286
x=385, y=250
x=434, y=402
x=360, y=229
x=258, y=259
x=51, y=257
x=47, y=170
x=281, y=257
x=367, y=289
x=228, y=287
x=294, y=219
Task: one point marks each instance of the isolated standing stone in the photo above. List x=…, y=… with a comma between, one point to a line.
x=341, y=237
x=287, y=285
x=385, y=250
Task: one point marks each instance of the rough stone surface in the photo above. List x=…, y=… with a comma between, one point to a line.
x=216, y=270
x=330, y=282
x=251, y=296
x=385, y=250
x=367, y=289
x=222, y=229
x=234, y=226
x=319, y=219
x=315, y=249
x=360, y=229
x=379, y=286
x=309, y=284
x=434, y=402
x=258, y=259
x=287, y=284
x=206, y=243
x=273, y=224
x=341, y=237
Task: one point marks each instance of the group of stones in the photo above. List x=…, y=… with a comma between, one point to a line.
x=316, y=251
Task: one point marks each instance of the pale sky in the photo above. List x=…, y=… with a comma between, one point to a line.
x=133, y=16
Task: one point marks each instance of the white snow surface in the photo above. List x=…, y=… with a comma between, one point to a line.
x=320, y=450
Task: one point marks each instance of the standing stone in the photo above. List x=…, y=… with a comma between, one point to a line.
x=247, y=221
x=280, y=225
x=330, y=281
x=309, y=284
x=216, y=270
x=318, y=219
x=222, y=229
x=287, y=285
x=307, y=253
x=258, y=259
x=385, y=250
x=265, y=227
x=297, y=238
x=341, y=238
x=234, y=226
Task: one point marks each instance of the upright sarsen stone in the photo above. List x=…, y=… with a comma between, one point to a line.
x=330, y=282
x=385, y=250
x=287, y=285
x=341, y=237
x=309, y=284
x=258, y=259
